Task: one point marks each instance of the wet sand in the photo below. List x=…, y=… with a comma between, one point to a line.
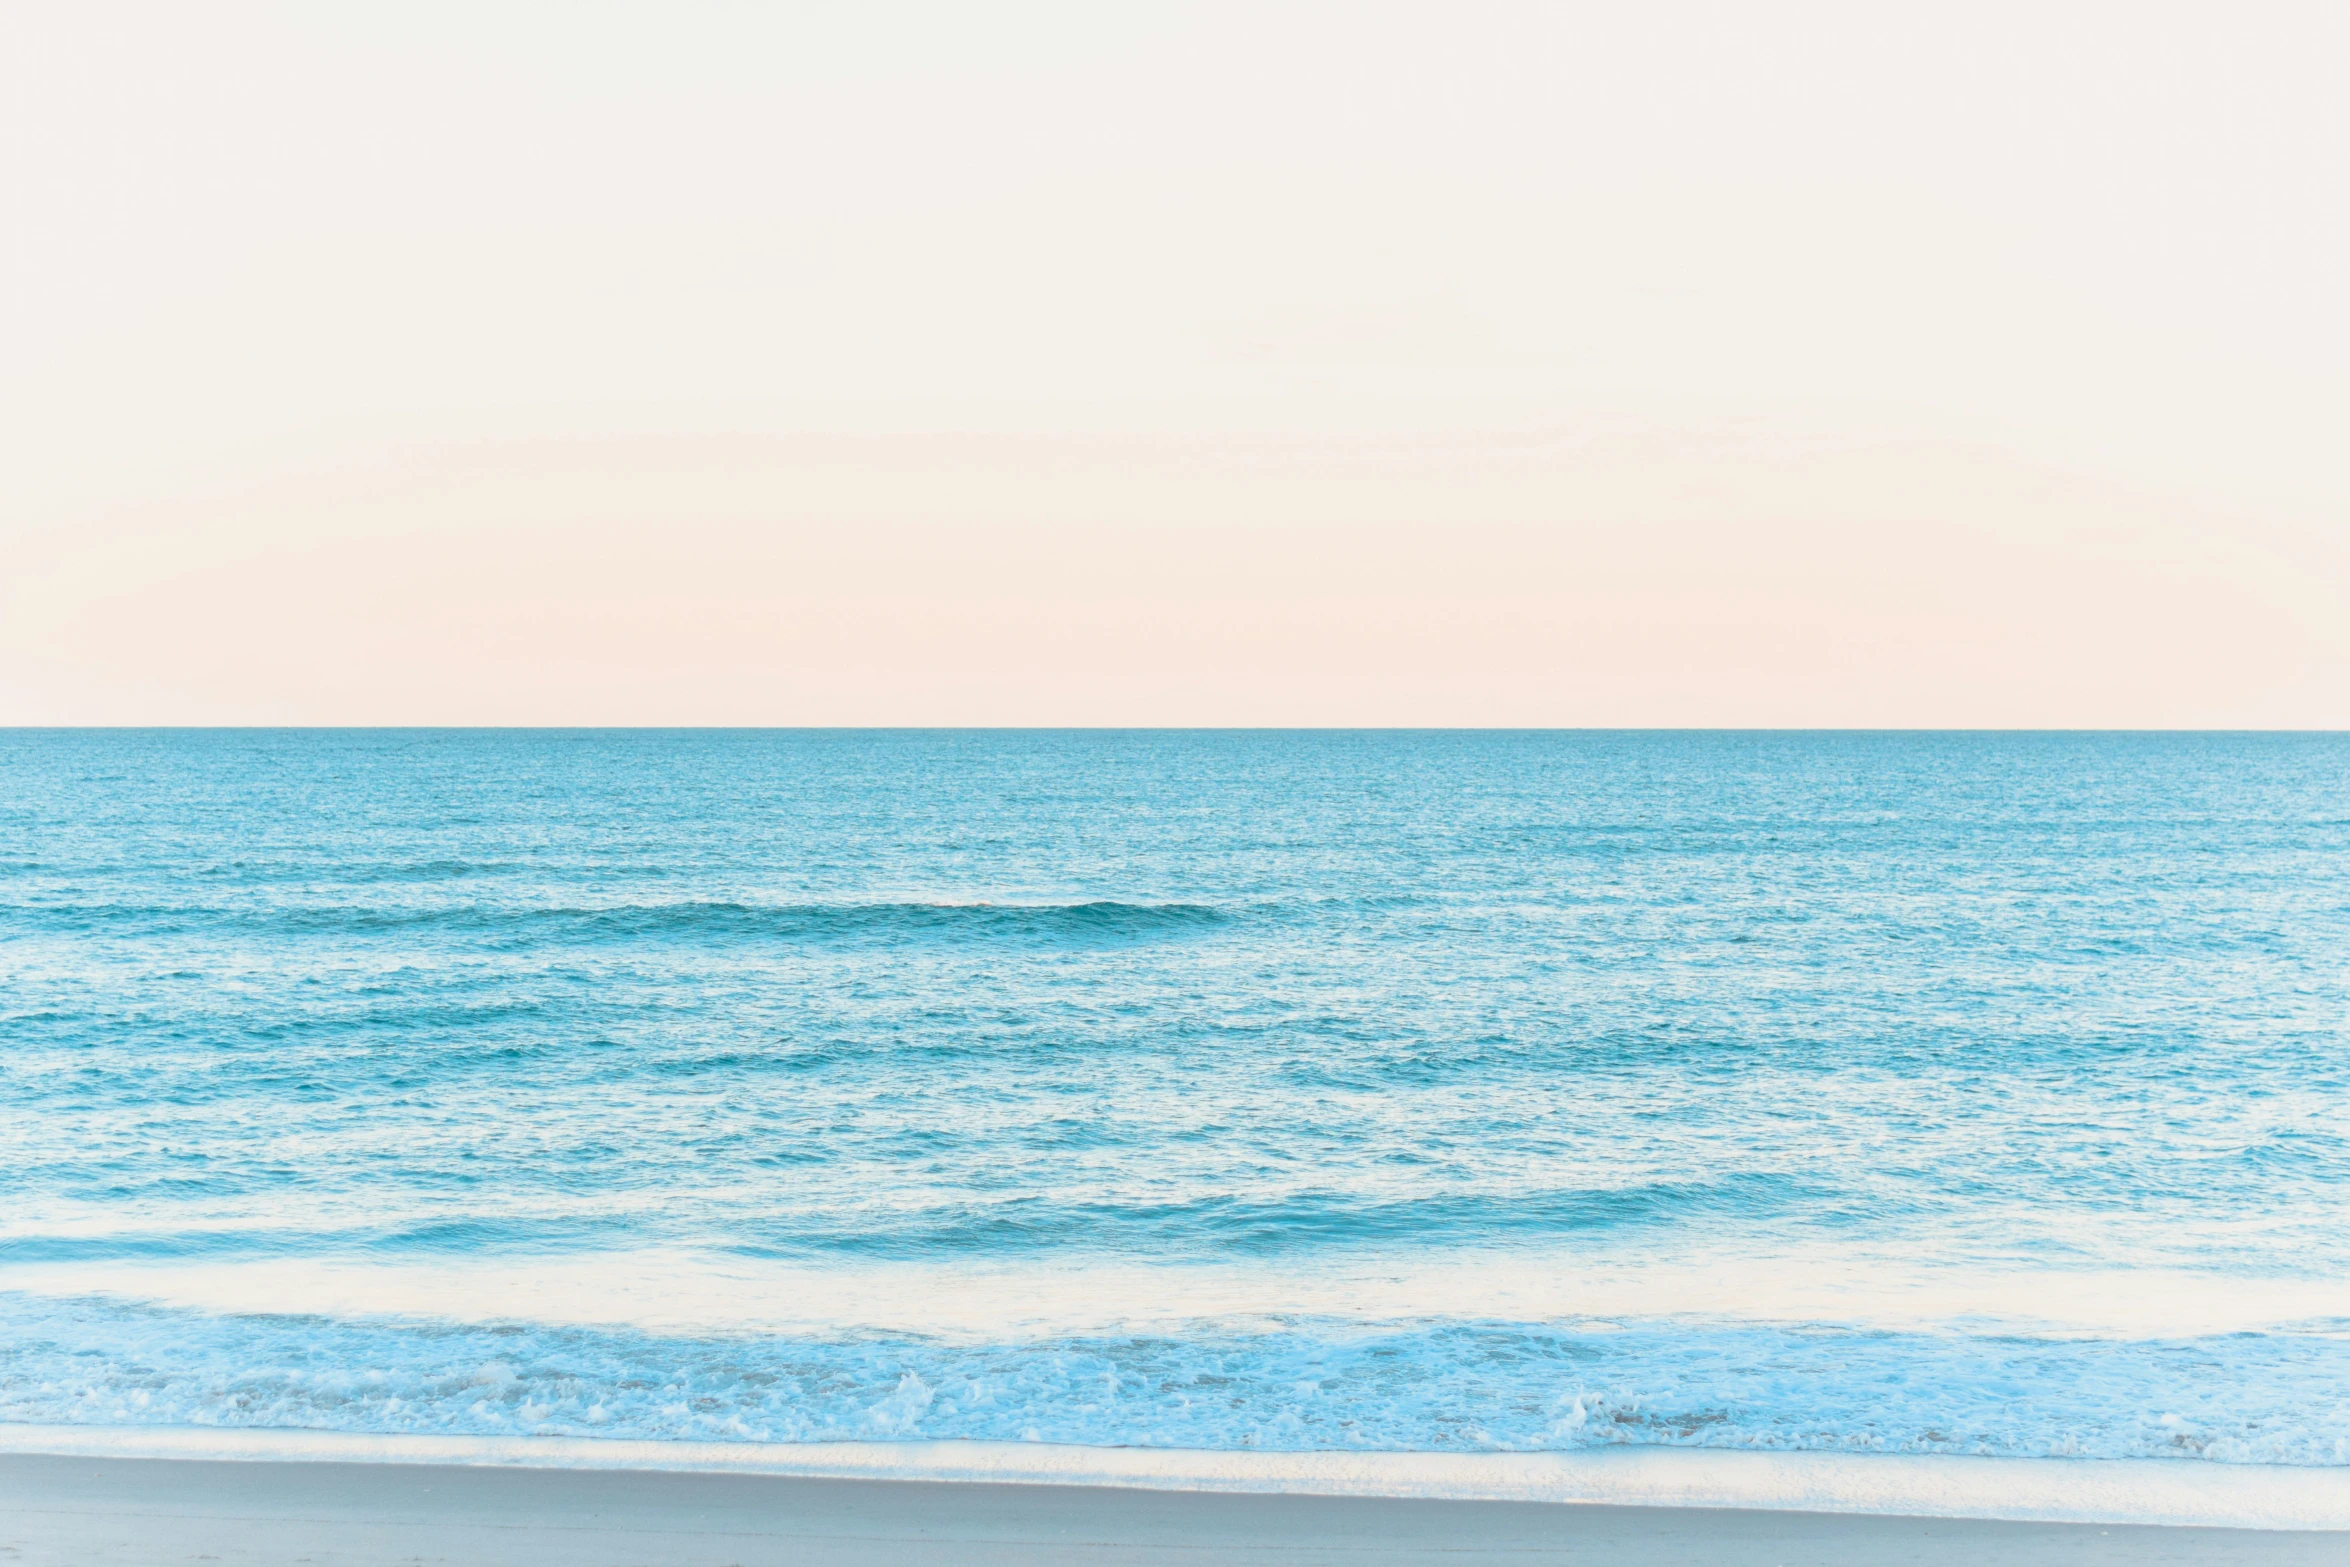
x=93, y=1512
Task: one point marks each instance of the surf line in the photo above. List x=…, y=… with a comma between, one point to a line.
x=2140, y=1491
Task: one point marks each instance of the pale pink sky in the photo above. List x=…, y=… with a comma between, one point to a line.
x=1539, y=364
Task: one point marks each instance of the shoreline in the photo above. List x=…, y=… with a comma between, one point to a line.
x=2159, y=1493
x=116, y=1512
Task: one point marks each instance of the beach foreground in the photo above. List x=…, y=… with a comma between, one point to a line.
x=95, y=1511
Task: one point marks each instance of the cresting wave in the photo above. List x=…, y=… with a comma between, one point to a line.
x=1219, y=1225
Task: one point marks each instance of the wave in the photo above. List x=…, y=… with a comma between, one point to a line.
x=1298, y=1385
x=244, y=1243
x=1319, y=1223
x=715, y=920
x=1310, y=1221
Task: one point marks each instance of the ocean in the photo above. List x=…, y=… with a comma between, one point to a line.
x=1413, y=1092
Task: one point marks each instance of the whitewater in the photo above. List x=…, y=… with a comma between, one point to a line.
x=1306, y=1093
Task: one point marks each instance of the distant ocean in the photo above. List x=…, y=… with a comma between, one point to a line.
x=1455, y=1092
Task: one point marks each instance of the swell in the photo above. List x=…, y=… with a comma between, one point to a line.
x=1301, y=1223
x=1312, y=1223
x=713, y=920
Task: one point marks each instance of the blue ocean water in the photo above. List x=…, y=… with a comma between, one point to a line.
x=1451, y=1091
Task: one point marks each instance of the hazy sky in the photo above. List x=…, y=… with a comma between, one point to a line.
x=1114, y=363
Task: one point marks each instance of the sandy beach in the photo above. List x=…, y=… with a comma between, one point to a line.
x=93, y=1511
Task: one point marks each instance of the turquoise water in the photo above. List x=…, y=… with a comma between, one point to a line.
x=1893, y=1092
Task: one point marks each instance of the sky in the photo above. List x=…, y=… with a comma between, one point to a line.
x=1541, y=364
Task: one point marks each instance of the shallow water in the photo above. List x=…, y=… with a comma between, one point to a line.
x=1925, y=1093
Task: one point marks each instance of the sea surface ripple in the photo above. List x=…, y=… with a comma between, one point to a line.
x=1443, y=1091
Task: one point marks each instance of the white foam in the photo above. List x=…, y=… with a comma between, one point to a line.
x=694, y=1293
x=2046, y=1490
